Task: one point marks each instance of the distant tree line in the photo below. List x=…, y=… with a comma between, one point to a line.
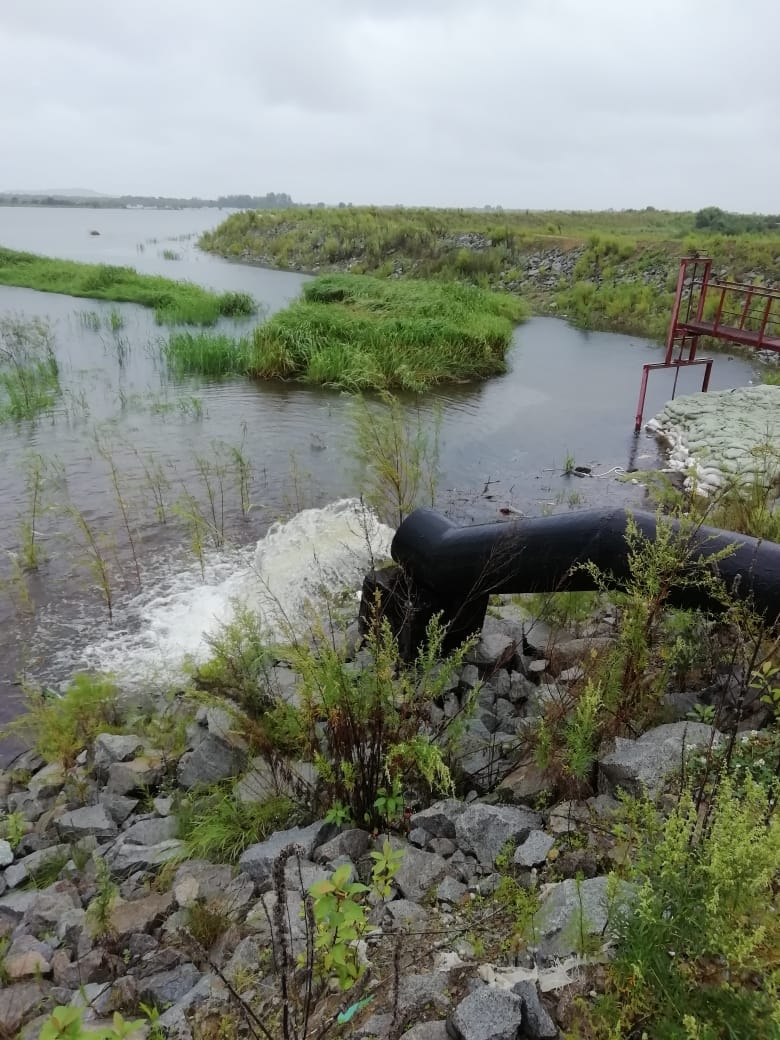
x=717, y=220
x=272, y=200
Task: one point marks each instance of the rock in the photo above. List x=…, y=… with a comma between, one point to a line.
x=439, y=819
x=494, y=650
x=520, y=688
x=537, y=1024
x=419, y=871
x=257, y=861
x=14, y=905
x=91, y=820
x=487, y=1014
x=49, y=906
x=641, y=766
x=47, y=782
x=525, y=783
x=216, y=758
x=428, y=1031
x=115, y=747
x=352, y=843
x=6, y=853
x=375, y=1026
x=117, y=806
x=566, y=817
x=168, y=987
x=94, y=966
x=19, y=1002
x=533, y=850
x=485, y=830
x=29, y=866
x=27, y=957
x=398, y=913
x=140, y=915
x=300, y=874
x=451, y=891
x=174, y=1023
x=125, y=859
x=151, y=831
x=575, y=911
x=137, y=776
x=418, y=993
x=569, y=653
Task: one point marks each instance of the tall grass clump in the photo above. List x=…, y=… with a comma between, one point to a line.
x=207, y=354
x=365, y=333
x=173, y=302
x=29, y=374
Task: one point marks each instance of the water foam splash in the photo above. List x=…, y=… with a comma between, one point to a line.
x=298, y=562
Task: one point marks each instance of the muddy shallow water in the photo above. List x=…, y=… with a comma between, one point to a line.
x=125, y=434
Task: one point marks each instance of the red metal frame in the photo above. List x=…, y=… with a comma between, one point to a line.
x=694, y=282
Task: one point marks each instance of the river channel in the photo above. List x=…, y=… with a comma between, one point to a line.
x=130, y=455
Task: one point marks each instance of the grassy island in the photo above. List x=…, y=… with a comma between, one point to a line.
x=363, y=333
x=173, y=302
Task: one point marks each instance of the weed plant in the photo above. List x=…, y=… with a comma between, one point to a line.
x=207, y=354
x=217, y=825
x=60, y=728
x=29, y=373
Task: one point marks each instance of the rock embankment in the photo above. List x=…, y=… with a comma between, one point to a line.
x=101, y=905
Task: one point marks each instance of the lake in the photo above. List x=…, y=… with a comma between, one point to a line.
x=157, y=493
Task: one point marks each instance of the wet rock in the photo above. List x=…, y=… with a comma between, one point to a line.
x=485, y=830
x=487, y=1014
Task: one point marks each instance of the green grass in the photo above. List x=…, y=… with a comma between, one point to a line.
x=207, y=353
x=29, y=374
x=173, y=302
x=611, y=270
x=364, y=333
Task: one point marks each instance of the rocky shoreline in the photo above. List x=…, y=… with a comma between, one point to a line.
x=198, y=945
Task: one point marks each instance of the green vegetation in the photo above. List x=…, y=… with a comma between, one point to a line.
x=611, y=270
x=29, y=374
x=367, y=333
x=59, y=728
x=174, y=303
x=696, y=956
x=207, y=353
x=217, y=825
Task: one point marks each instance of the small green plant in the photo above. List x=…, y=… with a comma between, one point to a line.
x=240, y=663
x=31, y=552
x=101, y=908
x=569, y=462
x=12, y=828
x=338, y=814
x=767, y=677
x=389, y=802
x=67, y=1023
x=115, y=319
x=340, y=915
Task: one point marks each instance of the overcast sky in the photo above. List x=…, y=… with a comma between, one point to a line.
x=520, y=103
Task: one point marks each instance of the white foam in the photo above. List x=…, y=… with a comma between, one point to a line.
x=297, y=563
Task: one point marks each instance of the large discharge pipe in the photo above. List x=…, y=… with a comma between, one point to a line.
x=452, y=569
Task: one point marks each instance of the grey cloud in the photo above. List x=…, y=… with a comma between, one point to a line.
x=540, y=103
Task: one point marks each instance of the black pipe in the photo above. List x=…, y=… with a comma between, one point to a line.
x=445, y=565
